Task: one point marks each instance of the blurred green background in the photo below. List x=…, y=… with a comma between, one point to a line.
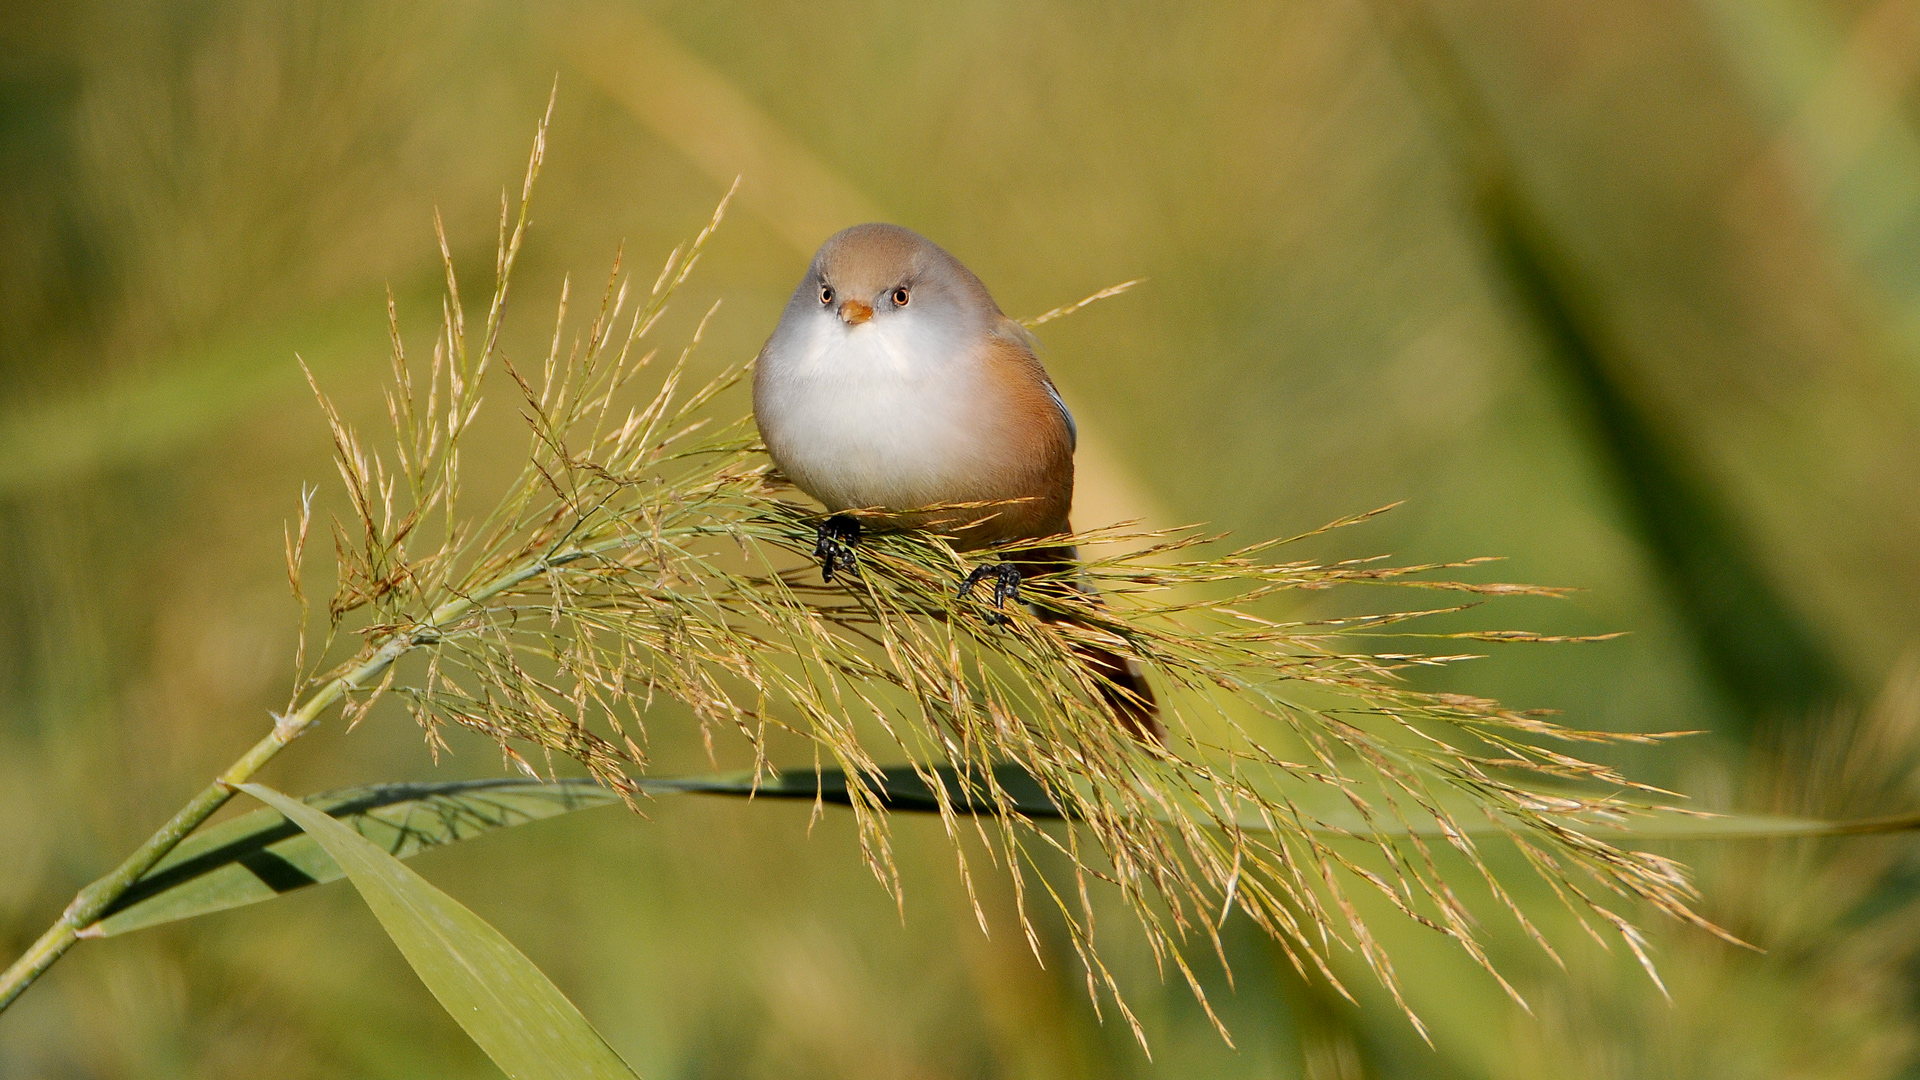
x=1628, y=292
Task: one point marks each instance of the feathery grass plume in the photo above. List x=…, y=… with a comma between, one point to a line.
x=648, y=549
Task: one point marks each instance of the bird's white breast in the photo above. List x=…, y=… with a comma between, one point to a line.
x=885, y=414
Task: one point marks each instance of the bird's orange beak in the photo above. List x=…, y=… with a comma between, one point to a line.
x=853, y=312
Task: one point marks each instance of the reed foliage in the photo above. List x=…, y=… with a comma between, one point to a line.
x=648, y=550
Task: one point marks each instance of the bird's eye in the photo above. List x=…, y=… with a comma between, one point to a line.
x=826, y=293
x=900, y=297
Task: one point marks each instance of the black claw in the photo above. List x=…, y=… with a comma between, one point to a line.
x=1006, y=586
x=833, y=546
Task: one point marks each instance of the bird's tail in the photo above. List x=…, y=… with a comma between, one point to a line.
x=1121, y=681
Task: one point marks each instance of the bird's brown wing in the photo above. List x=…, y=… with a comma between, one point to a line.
x=1018, y=346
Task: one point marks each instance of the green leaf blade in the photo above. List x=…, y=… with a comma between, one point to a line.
x=261, y=855
x=505, y=1004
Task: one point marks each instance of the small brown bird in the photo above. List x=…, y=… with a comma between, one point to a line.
x=895, y=383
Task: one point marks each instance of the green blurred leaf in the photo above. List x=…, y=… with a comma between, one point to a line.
x=505, y=1004
x=261, y=855
x=1766, y=657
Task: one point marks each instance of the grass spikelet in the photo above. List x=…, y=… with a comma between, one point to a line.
x=648, y=550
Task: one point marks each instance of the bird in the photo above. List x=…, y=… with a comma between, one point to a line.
x=894, y=385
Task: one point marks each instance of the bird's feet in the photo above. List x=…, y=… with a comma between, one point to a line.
x=833, y=546
x=1006, y=586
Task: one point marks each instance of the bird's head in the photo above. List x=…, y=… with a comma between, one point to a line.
x=884, y=275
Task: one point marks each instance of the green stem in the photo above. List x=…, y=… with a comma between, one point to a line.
x=94, y=900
